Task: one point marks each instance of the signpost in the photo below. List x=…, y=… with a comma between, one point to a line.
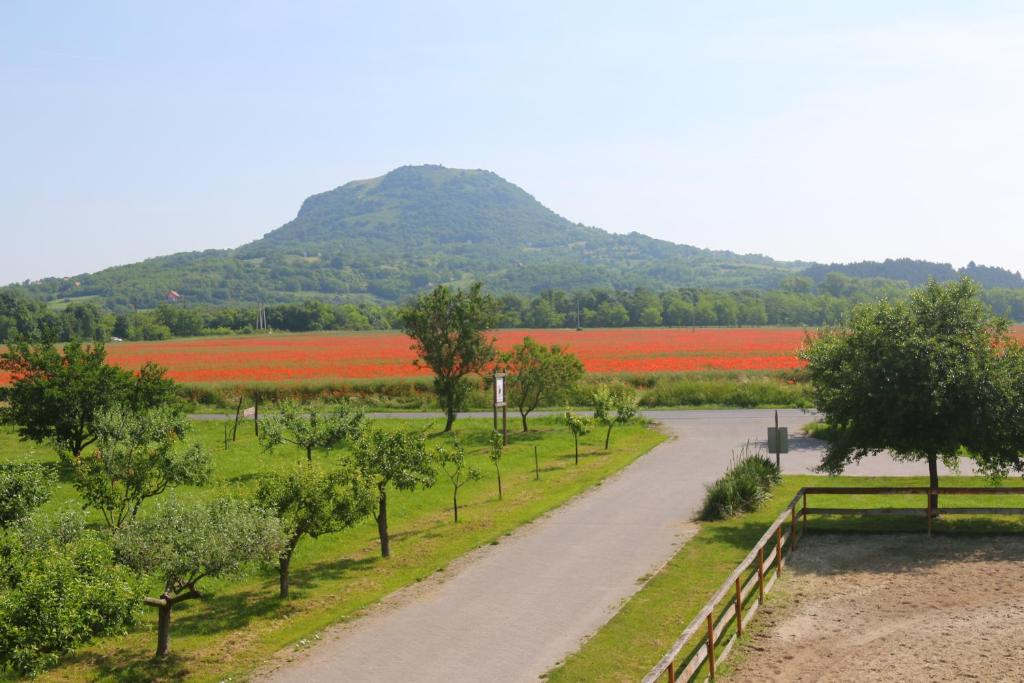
x=499, y=402
x=778, y=440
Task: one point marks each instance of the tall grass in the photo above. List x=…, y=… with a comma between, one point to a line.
x=730, y=389
x=743, y=488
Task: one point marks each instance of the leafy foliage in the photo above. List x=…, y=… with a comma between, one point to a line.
x=452, y=461
x=55, y=396
x=614, y=403
x=578, y=425
x=496, y=442
x=312, y=502
x=309, y=429
x=137, y=455
x=744, y=486
x=448, y=329
x=539, y=373
x=921, y=379
x=182, y=544
x=392, y=458
x=23, y=488
x=59, y=587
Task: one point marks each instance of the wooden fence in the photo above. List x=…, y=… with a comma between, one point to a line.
x=742, y=594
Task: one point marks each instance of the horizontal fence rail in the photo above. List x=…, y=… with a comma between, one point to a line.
x=731, y=609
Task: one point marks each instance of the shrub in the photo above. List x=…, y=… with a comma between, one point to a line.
x=743, y=488
x=23, y=488
x=60, y=588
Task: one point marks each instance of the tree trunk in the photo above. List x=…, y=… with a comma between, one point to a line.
x=163, y=632
x=933, y=480
x=498, y=470
x=523, y=415
x=382, y=525
x=283, y=565
x=608, y=436
x=576, y=443
x=450, y=414
x=309, y=453
x=455, y=505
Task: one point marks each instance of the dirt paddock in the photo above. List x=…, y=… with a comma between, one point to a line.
x=893, y=608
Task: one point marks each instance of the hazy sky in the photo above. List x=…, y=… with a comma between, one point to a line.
x=814, y=130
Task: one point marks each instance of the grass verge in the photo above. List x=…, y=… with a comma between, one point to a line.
x=241, y=623
x=641, y=632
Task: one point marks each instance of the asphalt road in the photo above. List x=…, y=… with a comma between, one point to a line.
x=511, y=612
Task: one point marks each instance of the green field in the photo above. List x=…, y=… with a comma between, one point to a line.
x=242, y=622
x=629, y=645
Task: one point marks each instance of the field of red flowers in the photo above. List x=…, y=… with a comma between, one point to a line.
x=387, y=355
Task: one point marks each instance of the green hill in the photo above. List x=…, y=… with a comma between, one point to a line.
x=387, y=238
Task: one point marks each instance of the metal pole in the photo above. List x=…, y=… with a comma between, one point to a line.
x=778, y=444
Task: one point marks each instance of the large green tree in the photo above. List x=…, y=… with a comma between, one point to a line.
x=925, y=379
x=538, y=373
x=449, y=332
x=55, y=395
x=311, y=501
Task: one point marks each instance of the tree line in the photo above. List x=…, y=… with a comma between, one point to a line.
x=799, y=301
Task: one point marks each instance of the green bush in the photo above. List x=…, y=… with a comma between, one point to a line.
x=59, y=587
x=23, y=488
x=743, y=488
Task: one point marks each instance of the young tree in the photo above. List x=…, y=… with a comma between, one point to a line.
x=309, y=429
x=312, y=502
x=59, y=588
x=184, y=543
x=921, y=379
x=453, y=462
x=448, y=330
x=138, y=455
x=497, y=444
x=539, y=373
x=614, y=404
x=578, y=425
x=55, y=396
x=392, y=458
x=23, y=488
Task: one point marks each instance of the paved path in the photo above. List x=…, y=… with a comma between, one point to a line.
x=513, y=611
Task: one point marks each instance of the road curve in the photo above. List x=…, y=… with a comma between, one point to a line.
x=513, y=611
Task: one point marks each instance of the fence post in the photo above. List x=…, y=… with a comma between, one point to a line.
x=792, y=525
x=711, y=644
x=671, y=673
x=739, y=608
x=778, y=550
x=929, y=512
x=804, y=530
x=760, y=573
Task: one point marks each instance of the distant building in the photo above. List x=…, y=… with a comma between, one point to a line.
x=174, y=297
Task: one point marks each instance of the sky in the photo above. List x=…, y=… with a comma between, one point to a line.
x=819, y=131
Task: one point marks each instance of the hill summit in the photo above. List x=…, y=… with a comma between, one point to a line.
x=389, y=237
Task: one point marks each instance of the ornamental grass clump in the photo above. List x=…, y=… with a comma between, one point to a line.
x=743, y=488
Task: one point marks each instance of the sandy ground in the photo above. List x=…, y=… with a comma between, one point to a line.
x=893, y=608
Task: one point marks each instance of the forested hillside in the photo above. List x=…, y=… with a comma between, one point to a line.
x=364, y=247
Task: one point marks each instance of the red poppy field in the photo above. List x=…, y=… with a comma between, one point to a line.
x=387, y=355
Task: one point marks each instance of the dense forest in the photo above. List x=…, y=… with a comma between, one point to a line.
x=798, y=301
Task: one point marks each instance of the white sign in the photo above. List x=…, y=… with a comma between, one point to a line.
x=499, y=390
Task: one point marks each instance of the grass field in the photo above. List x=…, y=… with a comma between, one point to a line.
x=635, y=639
x=242, y=622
